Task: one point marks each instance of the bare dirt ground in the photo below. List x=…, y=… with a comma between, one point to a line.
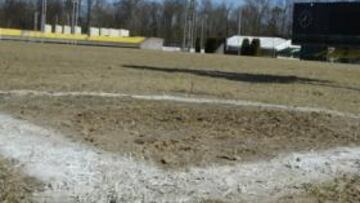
x=343, y=189
x=74, y=68
x=15, y=187
x=75, y=172
x=177, y=135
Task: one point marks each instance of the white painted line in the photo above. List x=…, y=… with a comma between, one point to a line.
x=86, y=174
x=181, y=99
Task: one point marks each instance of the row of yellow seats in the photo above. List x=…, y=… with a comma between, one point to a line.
x=10, y=32
x=34, y=34
x=133, y=40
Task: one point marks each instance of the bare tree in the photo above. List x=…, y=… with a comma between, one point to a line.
x=163, y=18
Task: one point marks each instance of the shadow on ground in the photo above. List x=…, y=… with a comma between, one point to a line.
x=242, y=77
x=245, y=77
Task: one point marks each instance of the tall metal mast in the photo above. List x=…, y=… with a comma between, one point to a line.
x=36, y=19
x=43, y=14
x=239, y=29
x=74, y=15
x=190, y=24
x=202, y=33
x=89, y=9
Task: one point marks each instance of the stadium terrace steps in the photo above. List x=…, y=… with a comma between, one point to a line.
x=80, y=39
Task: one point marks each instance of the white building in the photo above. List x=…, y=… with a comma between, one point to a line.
x=275, y=44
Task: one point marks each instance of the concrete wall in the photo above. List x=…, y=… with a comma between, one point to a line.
x=111, y=32
x=104, y=32
x=171, y=49
x=66, y=29
x=58, y=29
x=114, y=32
x=153, y=44
x=48, y=28
x=124, y=33
x=77, y=30
x=94, y=32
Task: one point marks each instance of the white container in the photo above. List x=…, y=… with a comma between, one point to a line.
x=47, y=28
x=104, y=32
x=77, y=30
x=66, y=29
x=94, y=32
x=58, y=29
x=124, y=33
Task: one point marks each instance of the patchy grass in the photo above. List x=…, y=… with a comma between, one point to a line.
x=15, y=187
x=75, y=68
x=178, y=135
x=345, y=189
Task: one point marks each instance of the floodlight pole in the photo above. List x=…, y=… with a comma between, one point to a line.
x=89, y=9
x=43, y=14
x=77, y=12
x=239, y=29
x=189, y=26
x=202, y=33
x=185, y=26
x=36, y=18
x=193, y=26
x=192, y=32
x=274, y=50
x=74, y=15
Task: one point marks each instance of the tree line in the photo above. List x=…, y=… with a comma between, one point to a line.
x=163, y=19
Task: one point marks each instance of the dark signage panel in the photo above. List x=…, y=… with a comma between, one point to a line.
x=327, y=23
